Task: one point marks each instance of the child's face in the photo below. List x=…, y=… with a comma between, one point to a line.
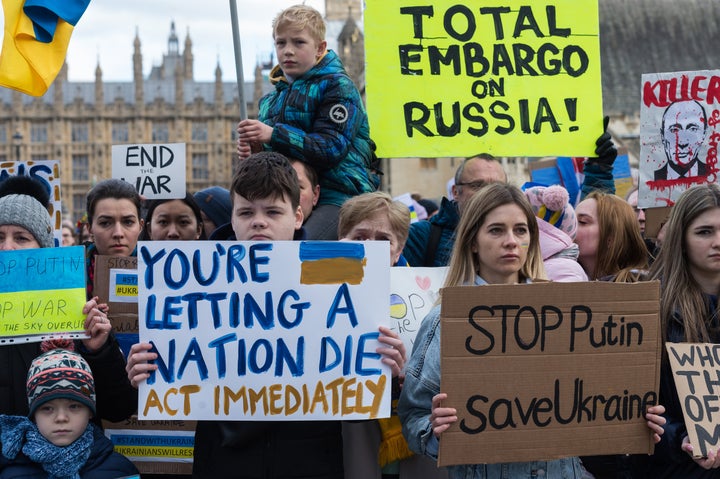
x=297, y=51
x=61, y=421
x=265, y=219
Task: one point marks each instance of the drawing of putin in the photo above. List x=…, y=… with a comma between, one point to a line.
x=684, y=125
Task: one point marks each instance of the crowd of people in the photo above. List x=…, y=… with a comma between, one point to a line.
x=308, y=172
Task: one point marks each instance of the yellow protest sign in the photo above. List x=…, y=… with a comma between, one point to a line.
x=510, y=78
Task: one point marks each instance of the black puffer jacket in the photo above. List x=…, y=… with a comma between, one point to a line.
x=267, y=450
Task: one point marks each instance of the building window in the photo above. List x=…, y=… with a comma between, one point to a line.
x=428, y=163
x=80, y=165
x=38, y=133
x=80, y=133
x=200, y=170
x=120, y=133
x=78, y=206
x=39, y=157
x=3, y=134
x=160, y=133
x=199, y=131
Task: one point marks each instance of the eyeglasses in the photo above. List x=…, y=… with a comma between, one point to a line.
x=474, y=185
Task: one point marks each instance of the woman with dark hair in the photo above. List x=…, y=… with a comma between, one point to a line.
x=113, y=209
x=178, y=219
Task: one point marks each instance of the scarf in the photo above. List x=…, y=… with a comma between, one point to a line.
x=18, y=433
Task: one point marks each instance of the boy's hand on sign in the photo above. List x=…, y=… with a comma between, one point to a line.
x=441, y=417
x=138, y=368
x=712, y=461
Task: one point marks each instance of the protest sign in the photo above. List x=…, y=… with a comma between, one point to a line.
x=156, y=171
x=46, y=172
x=569, y=173
x=509, y=78
x=696, y=370
x=42, y=294
x=413, y=293
x=155, y=447
x=265, y=330
x=548, y=370
x=679, y=134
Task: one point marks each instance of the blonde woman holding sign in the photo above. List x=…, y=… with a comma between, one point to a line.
x=497, y=242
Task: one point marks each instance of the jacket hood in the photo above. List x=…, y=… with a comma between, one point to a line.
x=554, y=241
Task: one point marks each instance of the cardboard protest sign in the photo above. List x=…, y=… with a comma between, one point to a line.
x=413, y=293
x=48, y=173
x=265, y=330
x=696, y=370
x=510, y=78
x=548, y=370
x=155, y=447
x=679, y=134
x=115, y=283
x=42, y=294
x=156, y=170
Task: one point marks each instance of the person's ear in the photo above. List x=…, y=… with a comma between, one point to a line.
x=322, y=46
x=298, y=217
x=316, y=195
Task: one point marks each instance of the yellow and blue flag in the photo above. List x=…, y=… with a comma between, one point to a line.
x=35, y=42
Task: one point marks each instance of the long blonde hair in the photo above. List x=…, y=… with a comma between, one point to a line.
x=681, y=293
x=463, y=262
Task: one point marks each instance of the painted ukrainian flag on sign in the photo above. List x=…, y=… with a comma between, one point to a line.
x=42, y=292
x=35, y=42
x=332, y=262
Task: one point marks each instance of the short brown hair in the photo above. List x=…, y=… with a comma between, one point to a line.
x=266, y=174
x=301, y=17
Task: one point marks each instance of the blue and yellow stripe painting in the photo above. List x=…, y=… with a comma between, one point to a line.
x=332, y=262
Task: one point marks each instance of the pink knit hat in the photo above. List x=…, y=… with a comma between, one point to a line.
x=552, y=204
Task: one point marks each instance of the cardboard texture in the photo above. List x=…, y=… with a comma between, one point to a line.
x=155, y=447
x=570, y=375
x=123, y=315
x=696, y=370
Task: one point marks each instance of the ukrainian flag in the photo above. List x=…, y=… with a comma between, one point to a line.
x=37, y=33
x=334, y=262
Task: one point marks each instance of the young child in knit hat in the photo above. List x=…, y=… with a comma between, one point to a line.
x=557, y=224
x=57, y=439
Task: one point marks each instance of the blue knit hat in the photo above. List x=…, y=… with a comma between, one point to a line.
x=216, y=204
x=60, y=373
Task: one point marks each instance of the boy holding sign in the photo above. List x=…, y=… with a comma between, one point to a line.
x=315, y=115
x=266, y=197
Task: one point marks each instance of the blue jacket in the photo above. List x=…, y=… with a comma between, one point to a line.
x=422, y=382
x=103, y=463
x=416, y=245
x=320, y=119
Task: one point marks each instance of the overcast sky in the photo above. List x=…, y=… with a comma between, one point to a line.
x=107, y=29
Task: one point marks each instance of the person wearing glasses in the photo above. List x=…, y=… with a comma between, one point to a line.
x=430, y=242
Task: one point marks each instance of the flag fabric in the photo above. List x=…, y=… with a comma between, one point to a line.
x=35, y=41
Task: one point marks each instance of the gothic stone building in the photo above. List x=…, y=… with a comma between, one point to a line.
x=78, y=122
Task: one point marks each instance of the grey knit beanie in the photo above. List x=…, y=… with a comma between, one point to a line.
x=26, y=211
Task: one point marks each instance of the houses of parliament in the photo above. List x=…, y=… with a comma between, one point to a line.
x=78, y=122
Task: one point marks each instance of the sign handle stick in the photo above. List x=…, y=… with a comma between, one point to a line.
x=238, y=59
